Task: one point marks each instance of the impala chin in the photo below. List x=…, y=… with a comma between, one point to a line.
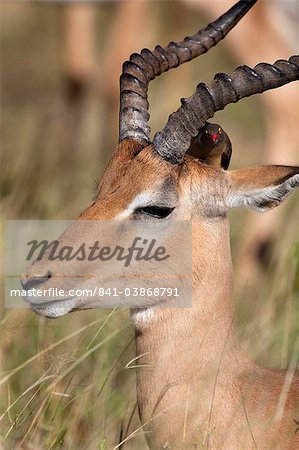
x=53, y=308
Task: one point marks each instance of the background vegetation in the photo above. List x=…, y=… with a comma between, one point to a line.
x=70, y=383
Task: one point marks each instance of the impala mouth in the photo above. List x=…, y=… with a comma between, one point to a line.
x=53, y=308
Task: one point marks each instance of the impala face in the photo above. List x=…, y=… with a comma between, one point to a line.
x=131, y=190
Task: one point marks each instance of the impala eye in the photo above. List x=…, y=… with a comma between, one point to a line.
x=159, y=212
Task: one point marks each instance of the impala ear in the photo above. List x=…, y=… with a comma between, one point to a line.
x=261, y=188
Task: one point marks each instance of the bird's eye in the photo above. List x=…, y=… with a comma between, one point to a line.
x=159, y=212
x=206, y=131
x=219, y=130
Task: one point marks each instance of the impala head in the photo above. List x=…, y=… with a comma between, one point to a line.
x=158, y=179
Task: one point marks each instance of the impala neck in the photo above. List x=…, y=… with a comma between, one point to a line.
x=205, y=326
x=211, y=278
x=179, y=350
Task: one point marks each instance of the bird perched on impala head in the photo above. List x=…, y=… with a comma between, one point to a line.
x=212, y=146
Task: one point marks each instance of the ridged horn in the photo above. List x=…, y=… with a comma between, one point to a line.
x=144, y=67
x=174, y=140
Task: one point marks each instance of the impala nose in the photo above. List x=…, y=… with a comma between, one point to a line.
x=34, y=281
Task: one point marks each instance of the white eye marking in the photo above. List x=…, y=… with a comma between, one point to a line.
x=142, y=199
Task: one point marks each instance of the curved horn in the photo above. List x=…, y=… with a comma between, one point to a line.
x=144, y=67
x=174, y=140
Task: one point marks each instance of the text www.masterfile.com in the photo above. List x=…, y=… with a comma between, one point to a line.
x=97, y=291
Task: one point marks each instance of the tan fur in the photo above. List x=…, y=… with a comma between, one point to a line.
x=195, y=386
x=141, y=172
